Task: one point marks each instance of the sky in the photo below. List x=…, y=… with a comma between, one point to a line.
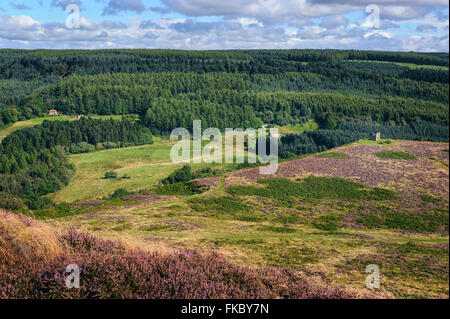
x=401, y=25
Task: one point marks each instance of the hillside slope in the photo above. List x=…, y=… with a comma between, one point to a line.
x=33, y=257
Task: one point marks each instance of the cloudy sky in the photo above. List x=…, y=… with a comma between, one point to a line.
x=401, y=25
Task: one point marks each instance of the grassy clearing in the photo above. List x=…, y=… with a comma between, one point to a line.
x=396, y=155
x=409, y=65
x=38, y=121
x=277, y=229
x=299, y=128
x=409, y=270
x=386, y=143
x=218, y=205
x=29, y=123
x=145, y=166
x=332, y=155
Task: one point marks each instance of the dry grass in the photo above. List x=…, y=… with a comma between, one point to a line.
x=33, y=256
x=27, y=239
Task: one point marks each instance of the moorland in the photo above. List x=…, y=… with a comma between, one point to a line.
x=101, y=190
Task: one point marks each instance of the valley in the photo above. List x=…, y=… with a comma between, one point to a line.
x=361, y=178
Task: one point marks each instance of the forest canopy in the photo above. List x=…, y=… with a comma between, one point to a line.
x=349, y=94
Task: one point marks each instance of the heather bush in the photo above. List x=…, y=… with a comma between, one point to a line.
x=110, y=270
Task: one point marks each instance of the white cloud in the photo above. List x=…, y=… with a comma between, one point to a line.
x=287, y=11
x=332, y=22
x=115, y=7
x=402, y=12
x=19, y=27
x=230, y=32
x=378, y=34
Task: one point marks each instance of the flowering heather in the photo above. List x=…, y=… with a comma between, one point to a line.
x=110, y=270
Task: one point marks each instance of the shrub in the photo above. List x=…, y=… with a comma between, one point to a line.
x=9, y=202
x=312, y=188
x=289, y=219
x=430, y=199
x=119, y=193
x=183, y=174
x=421, y=222
x=56, y=211
x=37, y=202
x=370, y=220
x=110, y=175
x=395, y=155
x=107, y=145
x=332, y=155
x=327, y=222
x=177, y=189
x=248, y=218
x=82, y=147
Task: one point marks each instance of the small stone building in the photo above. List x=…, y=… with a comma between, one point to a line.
x=53, y=112
x=376, y=136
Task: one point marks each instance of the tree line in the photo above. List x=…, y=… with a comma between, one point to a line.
x=323, y=139
x=128, y=81
x=34, y=162
x=169, y=100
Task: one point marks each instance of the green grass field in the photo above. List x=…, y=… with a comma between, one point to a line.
x=409, y=65
x=146, y=165
x=8, y=129
x=299, y=128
